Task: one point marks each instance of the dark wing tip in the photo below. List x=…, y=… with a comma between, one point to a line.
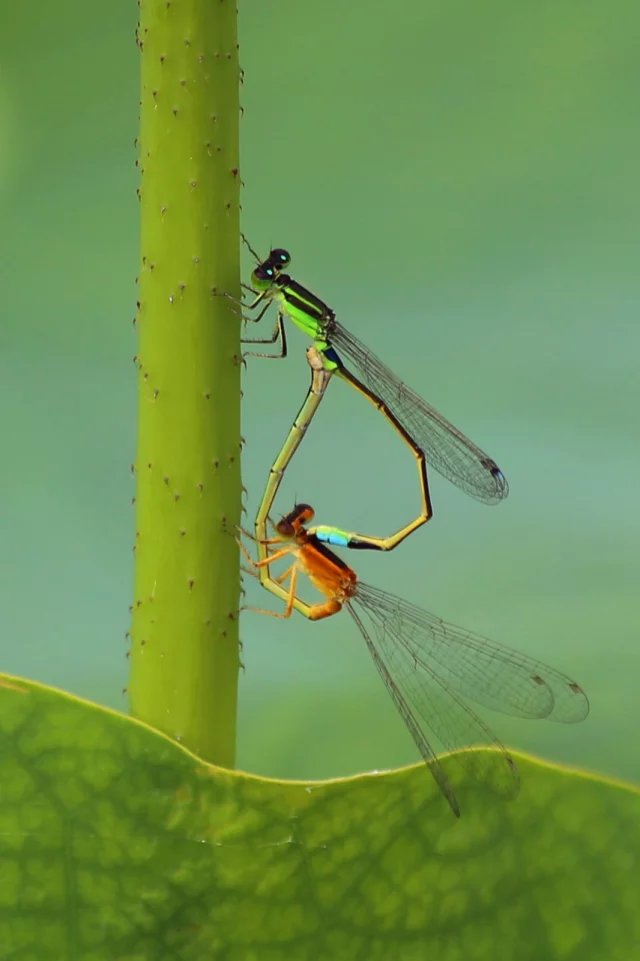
x=577, y=705
x=495, y=490
x=502, y=487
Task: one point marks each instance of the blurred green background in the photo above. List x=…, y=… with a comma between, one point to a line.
x=459, y=181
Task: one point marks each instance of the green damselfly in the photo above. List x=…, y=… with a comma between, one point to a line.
x=445, y=447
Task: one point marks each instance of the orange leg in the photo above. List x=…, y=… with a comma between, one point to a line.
x=315, y=612
x=291, y=594
x=267, y=560
x=281, y=578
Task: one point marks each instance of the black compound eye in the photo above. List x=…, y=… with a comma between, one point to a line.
x=264, y=273
x=280, y=257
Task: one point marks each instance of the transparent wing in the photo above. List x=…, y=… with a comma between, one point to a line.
x=446, y=448
x=477, y=668
x=426, y=704
x=429, y=666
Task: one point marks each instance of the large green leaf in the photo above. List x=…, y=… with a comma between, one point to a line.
x=118, y=845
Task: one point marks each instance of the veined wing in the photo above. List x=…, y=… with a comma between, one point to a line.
x=430, y=709
x=446, y=448
x=479, y=669
x=429, y=667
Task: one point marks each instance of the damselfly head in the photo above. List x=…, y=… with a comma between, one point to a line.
x=294, y=522
x=268, y=271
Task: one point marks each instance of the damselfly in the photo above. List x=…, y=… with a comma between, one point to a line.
x=429, y=667
x=445, y=447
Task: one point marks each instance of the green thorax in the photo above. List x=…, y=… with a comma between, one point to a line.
x=310, y=314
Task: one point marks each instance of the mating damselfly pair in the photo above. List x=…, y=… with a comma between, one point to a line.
x=429, y=667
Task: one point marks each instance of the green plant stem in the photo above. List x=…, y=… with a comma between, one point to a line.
x=184, y=655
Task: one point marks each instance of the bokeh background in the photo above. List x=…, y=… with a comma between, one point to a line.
x=459, y=181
